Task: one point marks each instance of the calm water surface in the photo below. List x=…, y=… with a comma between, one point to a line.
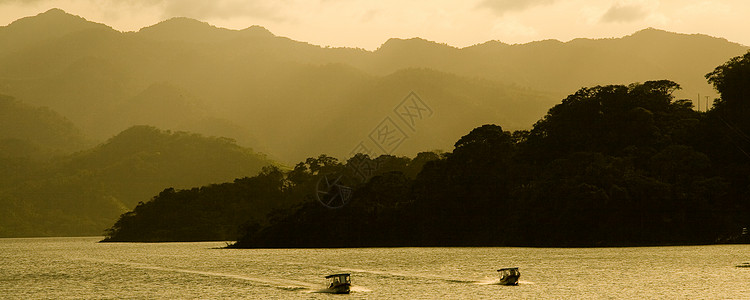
x=82, y=268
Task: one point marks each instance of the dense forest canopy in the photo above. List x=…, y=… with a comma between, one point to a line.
x=611, y=165
x=84, y=192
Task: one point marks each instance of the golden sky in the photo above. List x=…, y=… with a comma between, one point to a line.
x=369, y=23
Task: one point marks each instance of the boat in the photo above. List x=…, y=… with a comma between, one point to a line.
x=338, y=283
x=509, y=276
x=744, y=265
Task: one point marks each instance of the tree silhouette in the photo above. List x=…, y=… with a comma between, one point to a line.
x=732, y=81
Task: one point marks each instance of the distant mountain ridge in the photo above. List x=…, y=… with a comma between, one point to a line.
x=63, y=23
x=270, y=86
x=191, y=30
x=35, y=132
x=54, y=23
x=84, y=193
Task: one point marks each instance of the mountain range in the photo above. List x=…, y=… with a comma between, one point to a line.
x=292, y=99
x=95, y=120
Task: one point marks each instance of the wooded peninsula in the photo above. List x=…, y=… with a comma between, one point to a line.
x=615, y=165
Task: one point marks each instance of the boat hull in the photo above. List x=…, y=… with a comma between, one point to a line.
x=344, y=288
x=509, y=280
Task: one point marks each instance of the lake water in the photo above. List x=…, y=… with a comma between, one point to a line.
x=82, y=268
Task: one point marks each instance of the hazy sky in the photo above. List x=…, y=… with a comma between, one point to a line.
x=369, y=23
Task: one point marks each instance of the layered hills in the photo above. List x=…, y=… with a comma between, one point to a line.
x=96, y=120
x=254, y=87
x=28, y=132
x=83, y=193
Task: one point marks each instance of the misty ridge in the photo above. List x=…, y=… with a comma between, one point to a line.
x=96, y=120
x=253, y=86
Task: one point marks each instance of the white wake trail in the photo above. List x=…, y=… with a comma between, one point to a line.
x=271, y=282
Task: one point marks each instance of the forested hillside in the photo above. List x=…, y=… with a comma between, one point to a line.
x=253, y=86
x=216, y=93
x=614, y=165
x=83, y=193
x=28, y=132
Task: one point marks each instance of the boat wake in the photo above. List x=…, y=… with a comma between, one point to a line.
x=284, y=284
x=353, y=289
x=488, y=281
x=374, y=272
x=399, y=275
x=360, y=289
x=493, y=281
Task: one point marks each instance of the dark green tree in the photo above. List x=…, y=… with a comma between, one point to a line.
x=732, y=81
